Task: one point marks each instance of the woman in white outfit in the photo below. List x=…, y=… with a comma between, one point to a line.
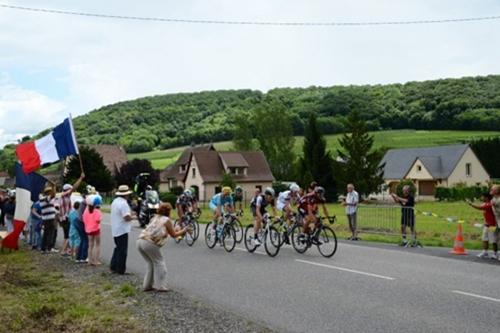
x=150, y=243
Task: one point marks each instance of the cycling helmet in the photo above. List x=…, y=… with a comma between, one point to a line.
x=320, y=191
x=188, y=193
x=294, y=187
x=193, y=190
x=226, y=190
x=238, y=189
x=149, y=188
x=269, y=191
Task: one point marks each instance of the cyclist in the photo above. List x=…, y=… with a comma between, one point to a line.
x=238, y=198
x=286, y=199
x=309, y=206
x=258, y=207
x=222, y=203
x=186, y=203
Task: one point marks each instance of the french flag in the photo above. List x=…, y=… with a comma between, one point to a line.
x=53, y=147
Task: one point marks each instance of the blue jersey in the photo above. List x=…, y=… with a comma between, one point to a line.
x=218, y=199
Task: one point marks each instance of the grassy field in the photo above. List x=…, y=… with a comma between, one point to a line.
x=391, y=139
x=432, y=231
x=38, y=299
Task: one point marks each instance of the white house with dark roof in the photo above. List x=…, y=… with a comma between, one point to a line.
x=433, y=166
x=203, y=167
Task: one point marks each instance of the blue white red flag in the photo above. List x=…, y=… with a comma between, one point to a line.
x=55, y=146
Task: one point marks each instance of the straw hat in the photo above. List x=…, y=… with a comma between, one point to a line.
x=123, y=190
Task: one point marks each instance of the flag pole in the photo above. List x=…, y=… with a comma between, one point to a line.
x=76, y=142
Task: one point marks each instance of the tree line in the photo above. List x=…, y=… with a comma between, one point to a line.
x=172, y=120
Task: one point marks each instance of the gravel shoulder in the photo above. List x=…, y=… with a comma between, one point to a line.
x=156, y=312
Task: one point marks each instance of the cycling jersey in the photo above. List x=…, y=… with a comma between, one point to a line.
x=219, y=200
x=284, y=198
x=262, y=202
x=185, y=201
x=307, y=201
x=237, y=198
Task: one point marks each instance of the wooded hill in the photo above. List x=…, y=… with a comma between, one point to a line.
x=471, y=103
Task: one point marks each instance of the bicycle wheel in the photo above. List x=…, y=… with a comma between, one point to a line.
x=177, y=224
x=249, y=239
x=272, y=241
x=299, y=239
x=210, y=235
x=229, y=238
x=327, y=245
x=238, y=228
x=196, y=229
x=189, y=237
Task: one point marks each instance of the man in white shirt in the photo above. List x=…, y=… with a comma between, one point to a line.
x=351, y=207
x=121, y=217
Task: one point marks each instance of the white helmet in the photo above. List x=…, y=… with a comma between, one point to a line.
x=188, y=193
x=269, y=191
x=294, y=187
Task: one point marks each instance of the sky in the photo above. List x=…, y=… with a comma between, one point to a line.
x=52, y=65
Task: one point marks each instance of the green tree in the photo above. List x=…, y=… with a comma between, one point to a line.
x=360, y=163
x=274, y=133
x=227, y=180
x=242, y=135
x=316, y=163
x=96, y=173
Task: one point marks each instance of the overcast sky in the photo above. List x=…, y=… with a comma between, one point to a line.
x=51, y=65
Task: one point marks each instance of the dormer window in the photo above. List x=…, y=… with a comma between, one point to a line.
x=182, y=168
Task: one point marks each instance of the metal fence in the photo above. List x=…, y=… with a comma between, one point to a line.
x=382, y=219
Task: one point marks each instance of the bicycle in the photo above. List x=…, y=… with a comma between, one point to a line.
x=268, y=235
x=285, y=229
x=223, y=233
x=322, y=236
x=189, y=220
x=236, y=223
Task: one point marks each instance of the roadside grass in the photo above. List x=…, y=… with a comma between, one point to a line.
x=405, y=138
x=431, y=231
x=38, y=299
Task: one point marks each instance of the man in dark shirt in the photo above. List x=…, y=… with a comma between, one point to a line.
x=3, y=199
x=407, y=203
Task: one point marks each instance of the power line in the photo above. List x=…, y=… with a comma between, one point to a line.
x=261, y=23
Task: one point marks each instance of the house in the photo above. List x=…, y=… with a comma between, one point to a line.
x=203, y=167
x=433, y=166
x=113, y=156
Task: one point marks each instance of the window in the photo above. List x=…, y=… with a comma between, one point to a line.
x=419, y=168
x=259, y=187
x=468, y=169
x=182, y=168
x=194, y=172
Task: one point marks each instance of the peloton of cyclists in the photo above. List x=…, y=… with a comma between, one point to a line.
x=258, y=206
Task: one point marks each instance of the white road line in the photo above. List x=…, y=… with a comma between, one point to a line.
x=476, y=296
x=346, y=270
x=245, y=250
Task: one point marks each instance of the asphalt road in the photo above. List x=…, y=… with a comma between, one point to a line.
x=360, y=289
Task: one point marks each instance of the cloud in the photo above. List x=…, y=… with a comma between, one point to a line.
x=25, y=112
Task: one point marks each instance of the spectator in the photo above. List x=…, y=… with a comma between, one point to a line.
x=48, y=218
x=150, y=243
x=36, y=225
x=351, y=208
x=490, y=225
x=92, y=218
x=3, y=199
x=9, y=208
x=407, y=203
x=74, y=237
x=65, y=208
x=121, y=217
x=495, y=203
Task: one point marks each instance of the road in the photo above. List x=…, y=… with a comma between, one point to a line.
x=360, y=289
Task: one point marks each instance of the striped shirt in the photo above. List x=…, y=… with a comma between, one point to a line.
x=48, y=209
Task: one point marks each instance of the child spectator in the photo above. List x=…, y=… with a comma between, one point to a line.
x=489, y=228
x=92, y=220
x=74, y=237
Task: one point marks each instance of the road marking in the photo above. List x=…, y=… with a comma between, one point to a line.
x=245, y=250
x=474, y=295
x=346, y=269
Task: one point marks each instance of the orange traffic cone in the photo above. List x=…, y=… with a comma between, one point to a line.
x=458, y=247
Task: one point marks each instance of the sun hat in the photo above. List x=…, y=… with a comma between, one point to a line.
x=123, y=190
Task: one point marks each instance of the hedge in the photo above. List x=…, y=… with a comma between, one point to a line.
x=457, y=193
